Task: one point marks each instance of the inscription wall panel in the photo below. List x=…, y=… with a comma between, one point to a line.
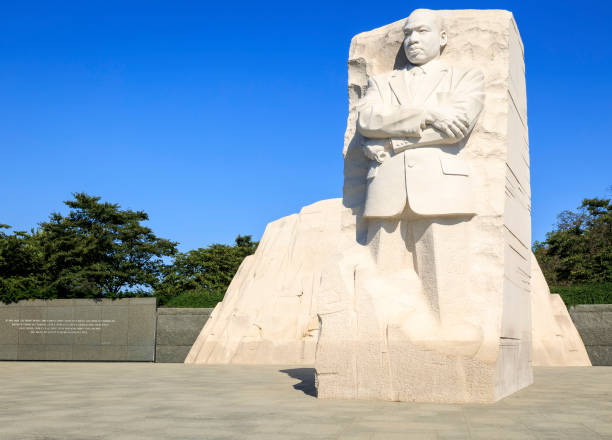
x=79, y=330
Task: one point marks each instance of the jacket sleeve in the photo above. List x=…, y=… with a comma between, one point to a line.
x=379, y=120
x=467, y=97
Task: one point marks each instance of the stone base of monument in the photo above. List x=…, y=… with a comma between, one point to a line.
x=380, y=340
x=411, y=373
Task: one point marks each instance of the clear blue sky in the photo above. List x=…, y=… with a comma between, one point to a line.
x=219, y=117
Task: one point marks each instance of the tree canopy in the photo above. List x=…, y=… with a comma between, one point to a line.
x=21, y=265
x=100, y=250
x=204, y=271
x=96, y=250
x=579, y=249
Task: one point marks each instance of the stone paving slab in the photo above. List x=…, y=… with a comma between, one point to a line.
x=99, y=401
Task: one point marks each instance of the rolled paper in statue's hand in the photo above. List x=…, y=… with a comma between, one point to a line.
x=381, y=156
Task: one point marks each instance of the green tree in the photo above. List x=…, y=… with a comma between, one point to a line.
x=579, y=249
x=97, y=250
x=205, y=272
x=20, y=266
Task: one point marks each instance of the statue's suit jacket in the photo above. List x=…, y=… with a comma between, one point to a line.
x=422, y=169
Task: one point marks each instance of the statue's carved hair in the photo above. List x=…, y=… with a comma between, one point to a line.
x=439, y=20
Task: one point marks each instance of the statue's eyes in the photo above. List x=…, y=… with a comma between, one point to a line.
x=420, y=30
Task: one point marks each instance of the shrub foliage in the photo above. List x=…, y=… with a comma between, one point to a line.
x=579, y=249
x=206, y=272
x=576, y=257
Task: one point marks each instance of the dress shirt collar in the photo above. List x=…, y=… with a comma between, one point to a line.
x=428, y=68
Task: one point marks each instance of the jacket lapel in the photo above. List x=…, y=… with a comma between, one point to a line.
x=431, y=81
x=428, y=83
x=399, y=88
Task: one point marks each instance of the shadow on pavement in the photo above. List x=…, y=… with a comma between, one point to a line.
x=307, y=377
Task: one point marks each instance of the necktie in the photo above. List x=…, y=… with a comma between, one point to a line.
x=416, y=74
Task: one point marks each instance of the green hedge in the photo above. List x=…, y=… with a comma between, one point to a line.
x=574, y=294
x=195, y=299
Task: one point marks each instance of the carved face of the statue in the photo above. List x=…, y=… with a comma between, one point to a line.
x=424, y=37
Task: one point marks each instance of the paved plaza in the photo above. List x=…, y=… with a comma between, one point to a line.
x=56, y=400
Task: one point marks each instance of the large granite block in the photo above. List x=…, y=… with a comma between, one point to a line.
x=30, y=330
x=31, y=352
x=140, y=353
x=117, y=333
x=9, y=332
x=171, y=353
x=600, y=355
x=59, y=352
x=100, y=352
x=79, y=330
x=9, y=352
x=141, y=325
x=83, y=318
x=59, y=316
x=177, y=329
x=594, y=323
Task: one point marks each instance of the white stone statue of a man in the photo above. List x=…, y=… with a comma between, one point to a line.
x=418, y=195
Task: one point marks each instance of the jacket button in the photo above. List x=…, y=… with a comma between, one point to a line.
x=410, y=163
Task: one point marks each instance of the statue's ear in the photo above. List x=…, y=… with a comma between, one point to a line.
x=443, y=38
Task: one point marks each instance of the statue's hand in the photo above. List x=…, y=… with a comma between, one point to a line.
x=375, y=152
x=449, y=121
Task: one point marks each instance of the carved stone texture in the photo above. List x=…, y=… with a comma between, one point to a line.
x=269, y=312
x=463, y=333
x=556, y=341
x=288, y=244
x=420, y=306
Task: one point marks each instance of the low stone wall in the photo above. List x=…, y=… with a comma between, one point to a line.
x=123, y=330
x=594, y=323
x=78, y=330
x=177, y=330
